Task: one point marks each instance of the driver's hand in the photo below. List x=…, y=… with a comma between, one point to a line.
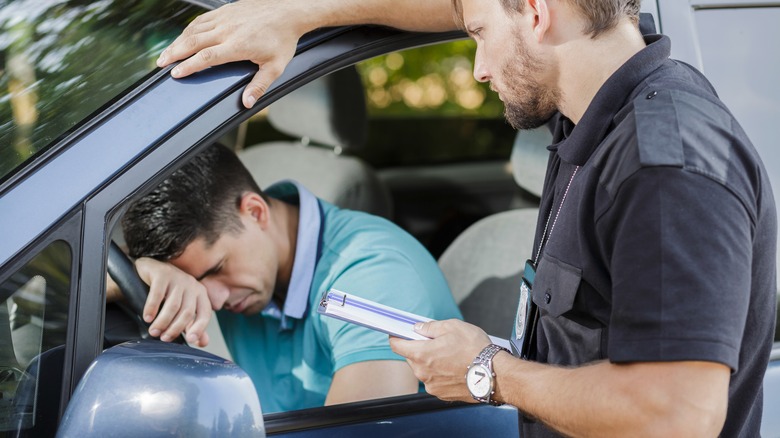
x=185, y=303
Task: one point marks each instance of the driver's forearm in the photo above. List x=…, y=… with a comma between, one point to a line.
x=415, y=15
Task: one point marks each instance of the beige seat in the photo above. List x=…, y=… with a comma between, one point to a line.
x=483, y=264
x=327, y=118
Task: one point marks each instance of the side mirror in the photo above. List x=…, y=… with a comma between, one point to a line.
x=154, y=389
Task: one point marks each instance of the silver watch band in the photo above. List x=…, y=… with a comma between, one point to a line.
x=485, y=357
x=487, y=353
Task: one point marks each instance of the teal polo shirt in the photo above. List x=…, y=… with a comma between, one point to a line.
x=292, y=353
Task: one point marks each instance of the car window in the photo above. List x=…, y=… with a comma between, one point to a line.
x=33, y=325
x=419, y=113
x=61, y=61
x=426, y=108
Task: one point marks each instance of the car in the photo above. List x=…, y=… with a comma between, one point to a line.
x=88, y=123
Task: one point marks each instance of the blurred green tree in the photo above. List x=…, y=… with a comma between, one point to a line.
x=426, y=81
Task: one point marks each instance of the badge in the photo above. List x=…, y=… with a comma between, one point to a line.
x=526, y=314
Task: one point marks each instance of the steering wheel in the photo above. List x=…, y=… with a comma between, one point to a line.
x=122, y=271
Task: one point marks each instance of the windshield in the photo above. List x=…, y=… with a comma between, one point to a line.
x=61, y=61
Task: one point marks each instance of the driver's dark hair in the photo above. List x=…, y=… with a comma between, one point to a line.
x=200, y=200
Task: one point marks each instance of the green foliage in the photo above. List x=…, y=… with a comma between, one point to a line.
x=432, y=80
x=62, y=61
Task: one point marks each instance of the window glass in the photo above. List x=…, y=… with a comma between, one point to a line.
x=60, y=61
x=33, y=325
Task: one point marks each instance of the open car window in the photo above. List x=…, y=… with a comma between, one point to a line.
x=416, y=116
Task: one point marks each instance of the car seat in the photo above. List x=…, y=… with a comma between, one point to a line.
x=483, y=265
x=328, y=119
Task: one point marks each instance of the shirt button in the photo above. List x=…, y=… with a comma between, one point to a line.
x=652, y=94
x=547, y=297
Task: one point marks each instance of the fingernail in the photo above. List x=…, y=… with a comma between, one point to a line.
x=192, y=338
x=175, y=72
x=148, y=318
x=161, y=60
x=154, y=332
x=250, y=100
x=418, y=326
x=165, y=338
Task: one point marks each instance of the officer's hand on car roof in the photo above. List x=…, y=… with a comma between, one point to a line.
x=233, y=33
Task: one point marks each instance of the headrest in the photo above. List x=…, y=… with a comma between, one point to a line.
x=330, y=110
x=529, y=158
x=342, y=180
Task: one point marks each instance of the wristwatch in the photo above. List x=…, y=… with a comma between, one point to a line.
x=480, y=378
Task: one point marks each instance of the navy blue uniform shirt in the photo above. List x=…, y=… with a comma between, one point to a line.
x=664, y=249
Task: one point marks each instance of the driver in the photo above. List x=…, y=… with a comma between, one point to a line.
x=209, y=235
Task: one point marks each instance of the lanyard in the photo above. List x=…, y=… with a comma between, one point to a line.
x=524, y=332
x=543, y=242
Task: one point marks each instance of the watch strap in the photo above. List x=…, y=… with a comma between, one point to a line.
x=485, y=358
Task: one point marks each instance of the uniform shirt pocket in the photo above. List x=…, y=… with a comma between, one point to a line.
x=565, y=336
x=555, y=286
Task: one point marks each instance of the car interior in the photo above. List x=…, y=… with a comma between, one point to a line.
x=327, y=122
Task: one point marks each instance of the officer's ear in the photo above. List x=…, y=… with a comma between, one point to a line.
x=541, y=22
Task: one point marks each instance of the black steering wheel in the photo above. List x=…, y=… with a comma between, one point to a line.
x=122, y=271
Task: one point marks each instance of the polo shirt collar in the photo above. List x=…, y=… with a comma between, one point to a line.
x=306, y=250
x=580, y=140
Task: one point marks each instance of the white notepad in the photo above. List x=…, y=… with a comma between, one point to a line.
x=376, y=316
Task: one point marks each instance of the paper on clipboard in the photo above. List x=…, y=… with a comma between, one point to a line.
x=376, y=316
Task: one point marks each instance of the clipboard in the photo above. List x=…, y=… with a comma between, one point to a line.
x=376, y=316
x=370, y=314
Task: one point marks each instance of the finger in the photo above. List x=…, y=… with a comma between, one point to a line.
x=182, y=318
x=198, y=52
x=203, y=59
x=156, y=289
x=261, y=82
x=198, y=25
x=186, y=46
x=430, y=329
x=404, y=347
x=181, y=47
x=168, y=312
x=204, y=340
x=196, y=328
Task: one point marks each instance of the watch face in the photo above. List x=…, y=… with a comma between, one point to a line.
x=479, y=381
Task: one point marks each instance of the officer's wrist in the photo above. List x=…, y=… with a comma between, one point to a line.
x=502, y=362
